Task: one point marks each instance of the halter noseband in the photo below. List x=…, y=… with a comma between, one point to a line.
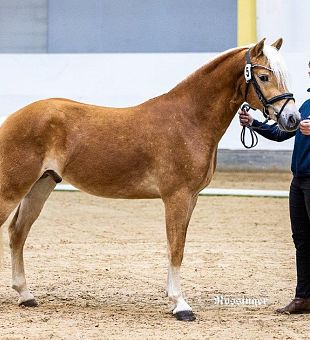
x=250, y=78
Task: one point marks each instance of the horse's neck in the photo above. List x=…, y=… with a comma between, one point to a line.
x=209, y=94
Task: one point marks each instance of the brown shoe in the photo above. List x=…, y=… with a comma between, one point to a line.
x=296, y=306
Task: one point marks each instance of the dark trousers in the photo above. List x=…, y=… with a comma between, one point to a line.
x=300, y=222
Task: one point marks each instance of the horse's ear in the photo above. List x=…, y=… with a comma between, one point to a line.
x=258, y=48
x=278, y=43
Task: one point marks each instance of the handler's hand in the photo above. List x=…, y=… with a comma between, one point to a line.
x=305, y=127
x=245, y=118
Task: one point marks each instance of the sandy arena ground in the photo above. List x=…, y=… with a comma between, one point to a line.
x=98, y=268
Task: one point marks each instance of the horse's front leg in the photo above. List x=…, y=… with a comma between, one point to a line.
x=178, y=208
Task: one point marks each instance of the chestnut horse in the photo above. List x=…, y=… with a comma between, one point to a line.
x=164, y=148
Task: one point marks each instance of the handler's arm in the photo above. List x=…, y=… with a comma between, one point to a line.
x=271, y=132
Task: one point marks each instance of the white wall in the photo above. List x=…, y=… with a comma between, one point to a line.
x=117, y=80
x=288, y=19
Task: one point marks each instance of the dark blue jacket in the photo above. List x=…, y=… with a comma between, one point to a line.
x=301, y=154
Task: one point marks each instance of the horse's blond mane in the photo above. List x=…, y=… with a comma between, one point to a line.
x=277, y=65
x=274, y=58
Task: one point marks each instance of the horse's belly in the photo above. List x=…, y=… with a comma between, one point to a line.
x=144, y=189
x=113, y=180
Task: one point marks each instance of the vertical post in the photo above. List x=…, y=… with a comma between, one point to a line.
x=246, y=22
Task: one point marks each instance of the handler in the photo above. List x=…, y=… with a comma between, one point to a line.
x=299, y=198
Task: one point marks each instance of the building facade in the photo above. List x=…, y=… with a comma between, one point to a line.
x=118, y=26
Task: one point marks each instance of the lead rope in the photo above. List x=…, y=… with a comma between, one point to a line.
x=253, y=134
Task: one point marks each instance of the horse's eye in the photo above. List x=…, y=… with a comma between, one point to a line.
x=263, y=77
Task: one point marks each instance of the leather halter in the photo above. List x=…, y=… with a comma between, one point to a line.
x=250, y=79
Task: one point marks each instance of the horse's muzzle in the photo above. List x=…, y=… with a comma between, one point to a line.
x=289, y=121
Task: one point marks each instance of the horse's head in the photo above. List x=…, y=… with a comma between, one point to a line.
x=267, y=85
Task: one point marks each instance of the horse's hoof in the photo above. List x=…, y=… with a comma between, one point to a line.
x=185, y=315
x=29, y=303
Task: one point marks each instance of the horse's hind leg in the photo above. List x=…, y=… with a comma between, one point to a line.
x=27, y=212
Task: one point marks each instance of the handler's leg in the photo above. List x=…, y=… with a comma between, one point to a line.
x=179, y=209
x=27, y=212
x=300, y=223
x=300, y=213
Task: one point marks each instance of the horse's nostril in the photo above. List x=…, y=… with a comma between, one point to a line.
x=292, y=120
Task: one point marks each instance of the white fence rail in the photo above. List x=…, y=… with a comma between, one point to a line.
x=211, y=191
